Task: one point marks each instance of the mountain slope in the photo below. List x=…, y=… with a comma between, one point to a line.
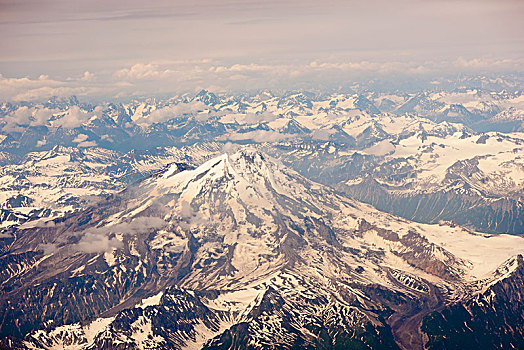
x=243, y=251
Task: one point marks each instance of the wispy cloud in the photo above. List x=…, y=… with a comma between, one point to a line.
x=169, y=112
x=103, y=239
x=27, y=89
x=257, y=136
x=142, y=71
x=179, y=76
x=94, y=242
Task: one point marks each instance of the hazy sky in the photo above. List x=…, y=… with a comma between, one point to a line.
x=122, y=47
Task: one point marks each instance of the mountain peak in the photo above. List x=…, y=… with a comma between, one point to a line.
x=242, y=193
x=206, y=97
x=228, y=174
x=247, y=156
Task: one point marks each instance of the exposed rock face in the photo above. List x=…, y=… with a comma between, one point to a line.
x=503, y=215
x=491, y=319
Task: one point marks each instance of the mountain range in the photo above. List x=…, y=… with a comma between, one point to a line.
x=398, y=151
x=243, y=252
x=369, y=219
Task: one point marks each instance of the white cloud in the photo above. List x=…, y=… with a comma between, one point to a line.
x=230, y=147
x=80, y=138
x=141, y=71
x=87, y=76
x=47, y=92
x=48, y=248
x=37, y=116
x=169, y=112
x=42, y=88
x=73, y=118
x=488, y=64
x=25, y=116
x=93, y=242
x=87, y=144
x=173, y=77
x=254, y=118
x=247, y=43
x=26, y=89
x=186, y=211
x=256, y=136
x=97, y=240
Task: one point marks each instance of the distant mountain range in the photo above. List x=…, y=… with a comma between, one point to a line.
x=416, y=155
x=207, y=117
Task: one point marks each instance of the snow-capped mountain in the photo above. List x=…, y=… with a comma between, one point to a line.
x=66, y=179
x=242, y=252
x=425, y=175
x=146, y=224
x=180, y=120
x=419, y=160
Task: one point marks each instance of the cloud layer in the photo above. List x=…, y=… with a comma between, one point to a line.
x=176, y=77
x=128, y=48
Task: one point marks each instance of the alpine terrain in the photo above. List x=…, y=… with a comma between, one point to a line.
x=261, y=175
x=242, y=252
